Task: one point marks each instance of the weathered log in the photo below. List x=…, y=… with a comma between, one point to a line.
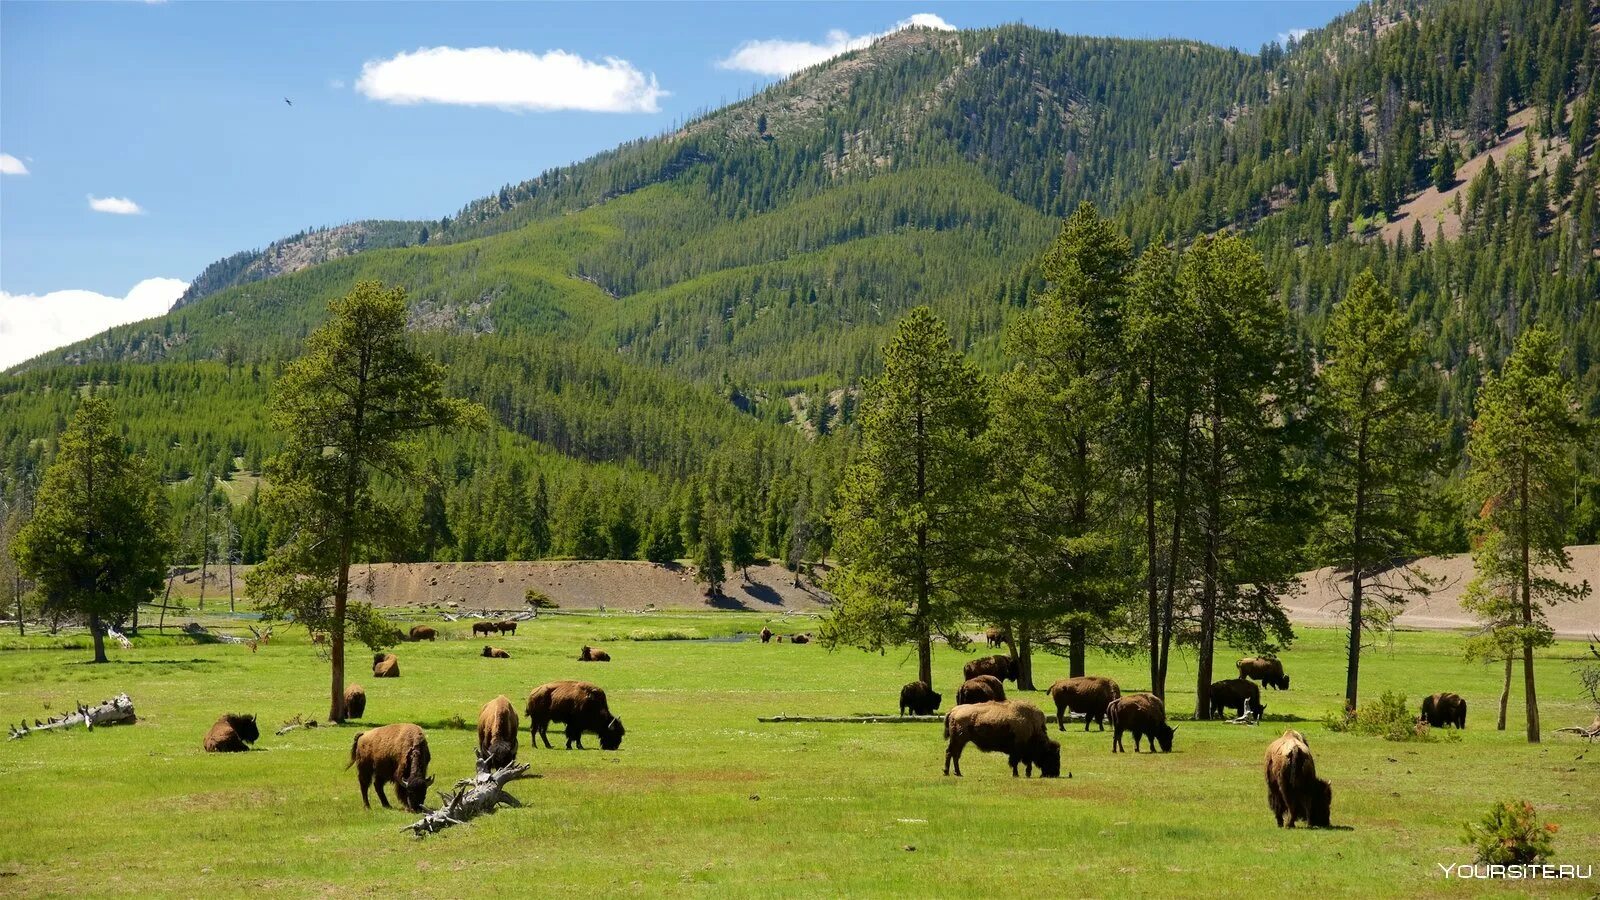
x=474, y=796
x=1248, y=717
x=886, y=719
x=297, y=722
x=117, y=710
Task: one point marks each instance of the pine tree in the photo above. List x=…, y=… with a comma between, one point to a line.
x=741, y=549
x=1444, y=169
x=710, y=567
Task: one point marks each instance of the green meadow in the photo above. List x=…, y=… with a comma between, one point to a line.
x=702, y=799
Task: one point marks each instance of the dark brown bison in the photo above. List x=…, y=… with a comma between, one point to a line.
x=581, y=705
x=1267, y=671
x=232, y=734
x=385, y=665
x=355, y=701
x=1013, y=727
x=1144, y=715
x=918, y=699
x=423, y=633
x=1087, y=695
x=981, y=689
x=1233, y=694
x=766, y=634
x=506, y=627
x=495, y=653
x=994, y=637
x=397, y=753
x=1001, y=667
x=1444, y=709
x=1292, y=783
x=484, y=628
x=497, y=734
x=591, y=654
x=801, y=639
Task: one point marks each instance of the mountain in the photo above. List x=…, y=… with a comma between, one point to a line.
x=683, y=318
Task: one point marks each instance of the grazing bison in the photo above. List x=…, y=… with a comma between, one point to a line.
x=484, y=628
x=1001, y=667
x=1088, y=695
x=766, y=634
x=397, y=753
x=981, y=689
x=423, y=633
x=385, y=665
x=1013, y=727
x=1233, y=694
x=1292, y=783
x=918, y=699
x=497, y=734
x=1267, y=671
x=232, y=733
x=1444, y=709
x=801, y=639
x=506, y=627
x=581, y=705
x=1144, y=715
x=495, y=653
x=995, y=637
x=590, y=654
x=355, y=701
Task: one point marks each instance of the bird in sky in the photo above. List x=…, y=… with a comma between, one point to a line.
x=288, y=101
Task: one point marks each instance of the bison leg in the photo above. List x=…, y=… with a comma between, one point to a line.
x=1136, y=737
x=378, y=783
x=364, y=774
x=952, y=753
x=1116, y=739
x=574, y=736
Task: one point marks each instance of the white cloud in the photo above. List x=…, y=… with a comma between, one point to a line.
x=120, y=206
x=33, y=324
x=10, y=165
x=336, y=83
x=1294, y=34
x=510, y=79
x=781, y=57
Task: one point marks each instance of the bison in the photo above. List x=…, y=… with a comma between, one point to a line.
x=919, y=699
x=397, y=753
x=590, y=654
x=1237, y=694
x=355, y=701
x=484, y=628
x=423, y=633
x=1444, y=709
x=1013, y=727
x=1088, y=695
x=506, y=627
x=995, y=637
x=497, y=734
x=1144, y=715
x=766, y=634
x=385, y=665
x=581, y=705
x=495, y=653
x=232, y=733
x=1001, y=667
x=800, y=639
x=1292, y=783
x=981, y=689
x=1267, y=671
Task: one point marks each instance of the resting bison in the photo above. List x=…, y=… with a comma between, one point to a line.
x=397, y=753
x=981, y=689
x=232, y=734
x=423, y=633
x=1088, y=695
x=484, y=628
x=1001, y=667
x=385, y=665
x=1292, y=783
x=590, y=654
x=1267, y=671
x=1444, y=709
x=581, y=705
x=497, y=734
x=766, y=634
x=801, y=639
x=995, y=637
x=1144, y=715
x=918, y=699
x=1233, y=694
x=495, y=653
x=1013, y=727
x=355, y=701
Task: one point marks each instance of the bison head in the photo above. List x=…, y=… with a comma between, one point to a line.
x=611, y=735
x=1047, y=758
x=934, y=699
x=1282, y=683
x=415, y=790
x=487, y=651
x=1319, y=805
x=499, y=755
x=1164, y=733
x=245, y=727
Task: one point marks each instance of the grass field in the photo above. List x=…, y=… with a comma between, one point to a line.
x=702, y=799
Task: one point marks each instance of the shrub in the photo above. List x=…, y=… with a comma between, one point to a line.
x=1511, y=833
x=539, y=599
x=1386, y=717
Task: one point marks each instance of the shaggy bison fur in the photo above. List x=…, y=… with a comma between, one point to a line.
x=1144, y=715
x=506, y=627
x=801, y=639
x=495, y=653
x=1001, y=667
x=1013, y=727
x=766, y=634
x=1233, y=694
x=918, y=699
x=591, y=654
x=397, y=753
x=1087, y=695
x=385, y=665
x=1267, y=671
x=423, y=633
x=497, y=734
x=994, y=637
x=355, y=701
x=581, y=705
x=484, y=628
x=1444, y=709
x=981, y=689
x=232, y=733
x=1292, y=783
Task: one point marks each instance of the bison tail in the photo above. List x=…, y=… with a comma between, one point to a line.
x=947, y=725
x=353, y=745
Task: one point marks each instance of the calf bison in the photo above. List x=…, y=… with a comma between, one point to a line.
x=1013, y=727
x=397, y=753
x=1292, y=783
x=1267, y=671
x=385, y=665
x=423, y=633
x=800, y=639
x=1444, y=709
x=766, y=634
x=581, y=705
x=1087, y=695
x=918, y=699
x=484, y=628
x=232, y=733
x=1234, y=694
x=1144, y=715
x=495, y=653
x=981, y=689
x=590, y=654
x=497, y=734
x=355, y=701
x=1001, y=667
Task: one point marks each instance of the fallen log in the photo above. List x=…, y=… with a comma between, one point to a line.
x=117, y=710
x=887, y=719
x=1590, y=734
x=474, y=796
x=1248, y=717
x=297, y=722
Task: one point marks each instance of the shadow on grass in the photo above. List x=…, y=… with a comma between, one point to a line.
x=151, y=662
x=453, y=723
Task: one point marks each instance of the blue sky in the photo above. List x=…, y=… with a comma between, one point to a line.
x=155, y=138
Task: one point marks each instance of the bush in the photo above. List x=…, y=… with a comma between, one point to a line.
x=1386, y=717
x=539, y=599
x=1511, y=833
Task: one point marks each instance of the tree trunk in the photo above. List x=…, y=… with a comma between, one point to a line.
x=1505, y=692
x=1527, y=609
x=16, y=589
x=1212, y=573
x=925, y=659
x=1152, y=594
x=1024, y=655
x=1077, y=645
x=99, y=638
x=1180, y=509
x=1353, y=666
x=924, y=638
